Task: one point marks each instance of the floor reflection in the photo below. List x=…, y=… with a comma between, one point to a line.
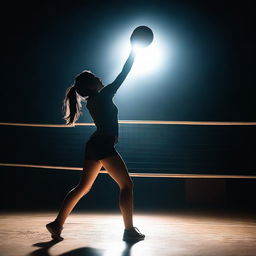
x=127, y=249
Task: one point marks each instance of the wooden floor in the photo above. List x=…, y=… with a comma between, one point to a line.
x=100, y=234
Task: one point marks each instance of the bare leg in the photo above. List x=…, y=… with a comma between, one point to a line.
x=117, y=169
x=90, y=172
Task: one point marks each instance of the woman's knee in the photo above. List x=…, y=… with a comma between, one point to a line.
x=83, y=190
x=128, y=185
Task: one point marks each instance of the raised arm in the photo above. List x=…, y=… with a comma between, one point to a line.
x=113, y=87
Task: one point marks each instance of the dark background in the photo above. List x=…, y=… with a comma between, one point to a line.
x=46, y=43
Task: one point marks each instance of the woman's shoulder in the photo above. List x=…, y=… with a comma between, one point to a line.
x=107, y=91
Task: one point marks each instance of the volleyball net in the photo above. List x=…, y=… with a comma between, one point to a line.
x=155, y=149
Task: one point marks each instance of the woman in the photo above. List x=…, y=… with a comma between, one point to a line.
x=99, y=150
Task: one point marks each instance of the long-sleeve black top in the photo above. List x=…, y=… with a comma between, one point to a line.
x=101, y=107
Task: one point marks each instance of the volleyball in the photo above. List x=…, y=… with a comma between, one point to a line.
x=142, y=36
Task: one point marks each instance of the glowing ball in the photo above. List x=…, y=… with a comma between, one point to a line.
x=142, y=36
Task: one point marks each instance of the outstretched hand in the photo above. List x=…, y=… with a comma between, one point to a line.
x=133, y=50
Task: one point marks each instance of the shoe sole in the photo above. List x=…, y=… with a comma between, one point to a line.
x=53, y=234
x=133, y=239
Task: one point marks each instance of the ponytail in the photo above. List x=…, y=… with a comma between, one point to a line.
x=72, y=106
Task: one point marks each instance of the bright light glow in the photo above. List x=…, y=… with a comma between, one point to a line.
x=148, y=59
x=150, y=63
x=137, y=47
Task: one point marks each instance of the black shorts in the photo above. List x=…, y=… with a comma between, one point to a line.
x=99, y=147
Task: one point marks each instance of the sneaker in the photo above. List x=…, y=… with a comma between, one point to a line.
x=133, y=234
x=55, y=229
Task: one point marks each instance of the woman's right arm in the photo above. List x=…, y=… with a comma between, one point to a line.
x=113, y=87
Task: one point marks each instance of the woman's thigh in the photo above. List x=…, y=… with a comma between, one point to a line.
x=116, y=168
x=90, y=172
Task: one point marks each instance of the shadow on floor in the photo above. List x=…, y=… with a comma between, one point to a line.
x=83, y=251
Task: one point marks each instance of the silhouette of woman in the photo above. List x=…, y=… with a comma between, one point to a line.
x=99, y=149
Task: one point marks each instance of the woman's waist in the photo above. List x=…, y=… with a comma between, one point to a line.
x=110, y=130
x=97, y=134
x=106, y=126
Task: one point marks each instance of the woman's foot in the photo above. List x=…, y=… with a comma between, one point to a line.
x=55, y=229
x=133, y=234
